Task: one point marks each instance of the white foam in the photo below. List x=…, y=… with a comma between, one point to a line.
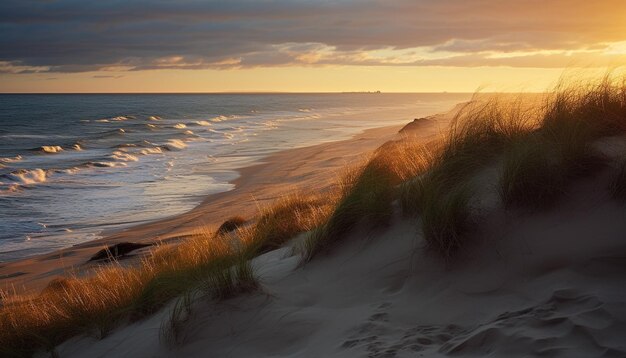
x=28, y=177
x=180, y=126
x=10, y=188
x=155, y=150
x=203, y=123
x=17, y=158
x=69, y=171
x=175, y=144
x=123, y=156
x=220, y=118
x=77, y=147
x=154, y=118
x=188, y=132
x=107, y=164
x=51, y=149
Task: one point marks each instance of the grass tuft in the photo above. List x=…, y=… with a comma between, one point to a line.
x=446, y=220
x=531, y=175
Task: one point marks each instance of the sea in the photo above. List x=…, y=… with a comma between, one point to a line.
x=74, y=167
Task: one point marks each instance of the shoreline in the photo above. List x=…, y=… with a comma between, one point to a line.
x=313, y=167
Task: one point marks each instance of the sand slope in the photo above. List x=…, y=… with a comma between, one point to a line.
x=532, y=284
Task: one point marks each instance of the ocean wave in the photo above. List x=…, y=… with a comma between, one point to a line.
x=154, y=150
x=203, y=123
x=69, y=171
x=7, y=189
x=188, y=132
x=77, y=146
x=123, y=156
x=14, y=159
x=175, y=144
x=154, y=118
x=28, y=177
x=106, y=164
x=113, y=132
x=150, y=125
x=180, y=126
x=222, y=118
x=50, y=149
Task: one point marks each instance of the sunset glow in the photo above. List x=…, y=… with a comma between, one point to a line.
x=285, y=46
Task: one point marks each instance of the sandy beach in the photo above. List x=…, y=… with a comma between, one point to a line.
x=308, y=169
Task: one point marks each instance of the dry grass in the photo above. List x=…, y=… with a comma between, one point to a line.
x=286, y=218
x=114, y=294
x=531, y=175
x=367, y=192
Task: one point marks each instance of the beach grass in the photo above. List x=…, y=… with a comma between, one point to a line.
x=531, y=175
x=113, y=294
x=366, y=196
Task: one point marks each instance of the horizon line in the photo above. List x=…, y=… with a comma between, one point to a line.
x=266, y=92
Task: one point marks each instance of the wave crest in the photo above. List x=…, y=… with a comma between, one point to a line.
x=28, y=177
x=50, y=149
x=175, y=144
x=17, y=158
x=123, y=156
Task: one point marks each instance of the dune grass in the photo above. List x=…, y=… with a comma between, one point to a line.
x=286, y=218
x=366, y=194
x=114, y=294
x=213, y=263
x=531, y=175
x=446, y=220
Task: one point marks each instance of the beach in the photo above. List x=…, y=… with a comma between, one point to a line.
x=309, y=169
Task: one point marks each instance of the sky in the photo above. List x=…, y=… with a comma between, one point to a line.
x=304, y=46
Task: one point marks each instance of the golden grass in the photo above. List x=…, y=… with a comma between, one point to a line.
x=211, y=262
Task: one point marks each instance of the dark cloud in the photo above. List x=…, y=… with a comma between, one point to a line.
x=82, y=35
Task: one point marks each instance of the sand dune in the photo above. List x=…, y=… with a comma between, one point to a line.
x=549, y=283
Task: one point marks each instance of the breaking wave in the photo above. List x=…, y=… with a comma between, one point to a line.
x=106, y=164
x=50, y=149
x=123, y=156
x=14, y=159
x=175, y=144
x=28, y=177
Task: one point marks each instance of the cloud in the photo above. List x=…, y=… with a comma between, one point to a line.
x=80, y=36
